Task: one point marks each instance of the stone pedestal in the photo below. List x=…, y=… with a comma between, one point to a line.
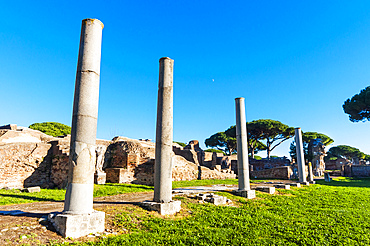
x=312, y=182
x=305, y=183
x=100, y=178
x=78, y=225
x=282, y=186
x=249, y=194
x=267, y=189
x=295, y=184
x=165, y=208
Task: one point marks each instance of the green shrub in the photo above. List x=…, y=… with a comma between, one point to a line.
x=180, y=143
x=215, y=150
x=51, y=128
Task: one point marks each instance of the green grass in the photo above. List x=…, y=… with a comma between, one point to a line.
x=17, y=197
x=335, y=213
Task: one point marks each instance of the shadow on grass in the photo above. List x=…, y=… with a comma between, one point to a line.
x=347, y=182
x=39, y=199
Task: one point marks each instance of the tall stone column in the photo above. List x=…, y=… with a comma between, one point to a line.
x=163, y=144
x=300, y=155
x=164, y=133
x=242, y=148
x=79, y=218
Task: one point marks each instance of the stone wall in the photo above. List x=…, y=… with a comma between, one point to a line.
x=360, y=171
x=267, y=164
x=24, y=164
x=285, y=172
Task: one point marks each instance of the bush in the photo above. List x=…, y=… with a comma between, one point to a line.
x=180, y=143
x=215, y=150
x=51, y=128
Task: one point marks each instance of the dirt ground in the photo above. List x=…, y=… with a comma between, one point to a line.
x=32, y=228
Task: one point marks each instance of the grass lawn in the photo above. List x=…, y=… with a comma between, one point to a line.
x=335, y=213
x=16, y=197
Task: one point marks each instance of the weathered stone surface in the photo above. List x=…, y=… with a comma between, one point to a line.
x=267, y=189
x=24, y=164
x=166, y=208
x=78, y=225
x=284, y=172
x=249, y=194
x=282, y=186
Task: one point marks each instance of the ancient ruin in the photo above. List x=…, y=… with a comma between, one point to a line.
x=78, y=217
x=242, y=145
x=300, y=156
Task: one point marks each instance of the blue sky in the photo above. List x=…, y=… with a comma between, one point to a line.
x=293, y=61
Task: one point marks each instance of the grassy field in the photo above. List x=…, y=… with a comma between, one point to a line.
x=335, y=213
x=16, y=196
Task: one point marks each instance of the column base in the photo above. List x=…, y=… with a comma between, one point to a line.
x=267, y=189
x=312, y=182
x=249, y=194
x=78, y=225
x=295, y=185
x=166, y=208
x=282, y=186
x=305, y=183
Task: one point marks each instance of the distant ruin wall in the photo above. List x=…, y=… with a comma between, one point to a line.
x=267, y=164
x=273, y=173
x=360, y=171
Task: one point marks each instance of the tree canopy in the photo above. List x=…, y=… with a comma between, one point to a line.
x=306, y=139
x=358, y=107
x=222, y=141
x=52, y=128
x=254, y=144
x=346, y=152
x=273, y=132
x=262, y=135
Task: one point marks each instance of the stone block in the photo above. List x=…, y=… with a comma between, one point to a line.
x=32, y=189
x=100, y=178
x=167, y=208
x=295, y=184
x=282, y=186
x=78, y=225
x=268, y=189
x=249, y=194
x=305, y=183
x=312, y=182
x=216, y=200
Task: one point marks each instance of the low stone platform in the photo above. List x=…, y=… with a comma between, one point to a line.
x=267, y=189
x=249, y=194
x=298, y=185
x=305, y=183
x=282, y=186
x=78, y=225
x=167, y=208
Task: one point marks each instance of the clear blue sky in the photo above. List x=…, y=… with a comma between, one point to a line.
x=293, y=61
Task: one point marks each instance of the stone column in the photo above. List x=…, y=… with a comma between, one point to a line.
x=163, y=144
x=310, y=173
x=300, y=155
x=242, y=148
x=79, y=218
x=164, y=133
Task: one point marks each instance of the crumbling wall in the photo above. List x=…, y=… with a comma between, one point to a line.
x=263, y=164
x=285, y=172
x=24, y=164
